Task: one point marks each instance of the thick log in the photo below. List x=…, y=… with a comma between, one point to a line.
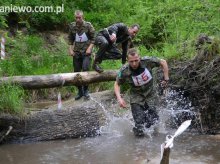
x=58, y=80
x=73, y=122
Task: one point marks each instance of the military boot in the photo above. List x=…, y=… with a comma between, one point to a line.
x=138, y=131
x=96, y=67
x=86, y=92
x=80, y=93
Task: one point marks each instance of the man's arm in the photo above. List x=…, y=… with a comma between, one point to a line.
x=91, y=38
x=121, y=101
x=71, y=39
x=114, y=29
x=124, y=51
x=165, y=69
x=71, y=52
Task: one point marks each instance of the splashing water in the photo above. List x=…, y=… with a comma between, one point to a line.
x=107, y=114
x=112, y=122
x=177, y=109
x=117, y=144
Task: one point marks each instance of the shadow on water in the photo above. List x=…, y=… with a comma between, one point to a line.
x=117, y=145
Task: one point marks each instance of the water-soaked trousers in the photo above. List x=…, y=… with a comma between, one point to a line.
x=144, y=116
x=106, y=49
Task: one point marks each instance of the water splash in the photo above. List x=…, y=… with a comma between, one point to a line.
x=176, y=108
x=107, y=114
x=115, y=124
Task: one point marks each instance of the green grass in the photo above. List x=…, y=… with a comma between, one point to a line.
x=11, y=100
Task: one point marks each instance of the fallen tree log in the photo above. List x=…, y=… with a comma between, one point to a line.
x=72, y=122
x=58, y=80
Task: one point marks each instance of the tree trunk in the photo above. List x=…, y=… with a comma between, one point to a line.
x=72, y=122
x=58, y=80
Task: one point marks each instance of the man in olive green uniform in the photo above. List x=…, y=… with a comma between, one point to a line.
x=138, y=74
x=81, y=41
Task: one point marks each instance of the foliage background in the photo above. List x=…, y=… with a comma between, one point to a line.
x=168, y=30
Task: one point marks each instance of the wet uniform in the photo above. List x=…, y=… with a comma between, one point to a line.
x=109, y=50
x=141, y=89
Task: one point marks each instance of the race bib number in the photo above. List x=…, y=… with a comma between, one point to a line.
x=143, y=78
x=81, y=38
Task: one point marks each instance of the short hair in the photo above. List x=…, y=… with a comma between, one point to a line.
x=78, y=12
x=133, y=52
x=135, y=25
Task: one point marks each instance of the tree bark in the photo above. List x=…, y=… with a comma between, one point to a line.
x=58, y=80
x=73, y=122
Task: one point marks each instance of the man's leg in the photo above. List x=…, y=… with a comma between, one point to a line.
x=113, y=52
x=77, y=65
x=102, y=43
x=85, y=67
x=139, y=119
x=151, y=115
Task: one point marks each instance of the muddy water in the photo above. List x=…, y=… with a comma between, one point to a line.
x=117, y=145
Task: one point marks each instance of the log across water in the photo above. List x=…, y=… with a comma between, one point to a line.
x=58, y=80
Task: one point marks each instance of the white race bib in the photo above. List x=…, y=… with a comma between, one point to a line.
x=143, y=78
x=81, y=38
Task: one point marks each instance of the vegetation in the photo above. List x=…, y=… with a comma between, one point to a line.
x=168, y=30
x=11, y=99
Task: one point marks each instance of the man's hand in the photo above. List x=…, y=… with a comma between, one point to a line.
x=88, y=51
x=71, y=52
x=113, y=37
x=122, y=103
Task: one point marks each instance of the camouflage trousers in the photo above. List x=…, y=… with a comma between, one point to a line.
x=106, y=50
x=144, y=116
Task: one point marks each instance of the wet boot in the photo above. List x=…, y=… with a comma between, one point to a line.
x=80, y=93
x=86, y=92
x=96, y=67
x=138, y=132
